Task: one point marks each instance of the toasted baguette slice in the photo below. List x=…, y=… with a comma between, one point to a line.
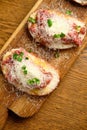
x=82, y=2
x=56, y=30
x=29, y=73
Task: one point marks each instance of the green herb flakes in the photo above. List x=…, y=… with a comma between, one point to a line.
x=18, y=57
x=15, y=56
x=69, y=12
x=61, y=35
x=34, y=81
x=56, y=55
x=21, y=54
x=49, y=21
x=24, y=69
x=25, y=72
x=78, y=28
x=30, y=51
x=56, y=36
x=32, y=20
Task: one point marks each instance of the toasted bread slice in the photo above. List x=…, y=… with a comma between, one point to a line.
x=56, y=30
x=82, y=2
x=28, y=73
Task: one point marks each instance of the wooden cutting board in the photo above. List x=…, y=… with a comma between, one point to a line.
x=3, y=116
x=20, y=103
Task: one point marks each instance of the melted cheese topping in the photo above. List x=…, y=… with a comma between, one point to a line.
x=59, y=24
x=33, y=71
x=36, y=68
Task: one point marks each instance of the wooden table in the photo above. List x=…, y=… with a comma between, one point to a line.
x=65, y=108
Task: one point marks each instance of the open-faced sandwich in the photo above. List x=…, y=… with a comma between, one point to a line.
x=81, y=2
x=29, y=73
x=56, y=30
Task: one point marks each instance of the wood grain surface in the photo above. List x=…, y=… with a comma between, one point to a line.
x=3, y=116
x=66, y=108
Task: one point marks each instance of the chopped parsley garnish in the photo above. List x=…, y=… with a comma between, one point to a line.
x=34, y=81
x=78, y=28
x=21, y=53
x=30, y=51
x=69, y=12
x=32, y=20
x=61, y=35
x=24, y=69
x=49, y=21
x=56, y=55
x=15, y=55
x=56, y=36
x=18, y=57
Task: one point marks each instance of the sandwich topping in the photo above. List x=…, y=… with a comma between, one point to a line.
x=21, y=69
x=52, y=28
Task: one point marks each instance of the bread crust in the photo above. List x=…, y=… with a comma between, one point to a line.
x=38, y=62
x=81, y=2
x=51, y=42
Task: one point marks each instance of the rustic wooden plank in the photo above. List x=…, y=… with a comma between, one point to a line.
x=29, y=105
x=3, y=116
x=66, y=108
x=10, y=16
x=66, y=59
x=17, y=96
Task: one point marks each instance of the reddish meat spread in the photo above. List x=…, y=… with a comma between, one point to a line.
x=16, y=72
x=29, y=73
x=56, y=30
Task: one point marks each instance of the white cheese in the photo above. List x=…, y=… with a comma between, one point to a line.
x=59, y=24
x=14, y=74
x=33, y=71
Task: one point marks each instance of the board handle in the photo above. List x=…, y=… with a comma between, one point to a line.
x=26, y=106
